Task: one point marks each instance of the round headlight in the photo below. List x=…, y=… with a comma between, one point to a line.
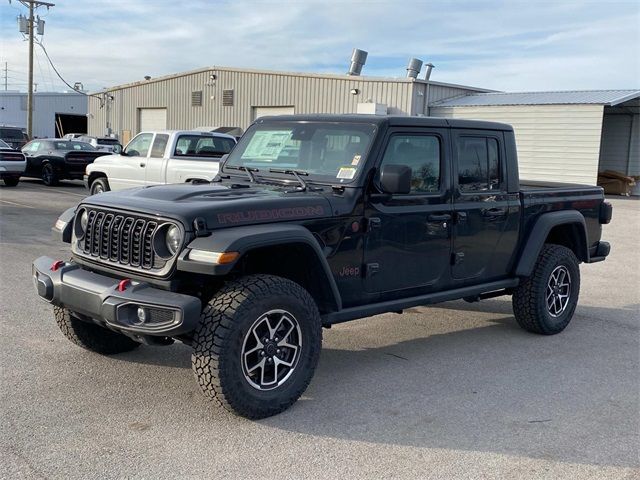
x=84, y=219
x=81, y=225
x=173, y=239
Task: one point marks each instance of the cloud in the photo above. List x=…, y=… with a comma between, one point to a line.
x=502, y=45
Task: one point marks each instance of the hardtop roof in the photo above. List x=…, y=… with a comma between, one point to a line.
x=390, y=121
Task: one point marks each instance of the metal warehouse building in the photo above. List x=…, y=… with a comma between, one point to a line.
x=230, y=97
x=54, y=113
x=562, y=136
x=565, y=136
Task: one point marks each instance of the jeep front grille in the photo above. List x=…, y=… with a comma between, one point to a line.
x=121, y=240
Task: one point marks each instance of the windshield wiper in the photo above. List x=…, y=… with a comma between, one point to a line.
x=295, y=173
x=247, y=170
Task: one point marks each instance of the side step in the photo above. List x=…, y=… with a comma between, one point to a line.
x=484, y=290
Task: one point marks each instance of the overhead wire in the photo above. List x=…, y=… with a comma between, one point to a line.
x=63, y=80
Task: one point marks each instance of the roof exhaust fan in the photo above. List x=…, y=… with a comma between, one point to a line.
x=430, y=66
x=358, y=59
x=414, y=67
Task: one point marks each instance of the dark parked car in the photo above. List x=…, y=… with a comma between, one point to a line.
x=15, y=137
x=312, y=221
x=54, y=159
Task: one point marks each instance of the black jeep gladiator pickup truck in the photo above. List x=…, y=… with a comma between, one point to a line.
x=316, y=220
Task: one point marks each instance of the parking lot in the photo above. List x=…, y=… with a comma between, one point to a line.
x=454, y=390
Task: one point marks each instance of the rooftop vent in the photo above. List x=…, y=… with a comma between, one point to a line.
x=430, y=66
x=414, y=67
x=358, y=59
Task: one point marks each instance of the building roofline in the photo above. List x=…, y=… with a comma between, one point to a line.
x=632, y=94
x=288, y=74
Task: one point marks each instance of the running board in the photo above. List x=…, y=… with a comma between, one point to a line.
x=353, y=313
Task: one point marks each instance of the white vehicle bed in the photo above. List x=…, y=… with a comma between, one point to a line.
x=156, y=158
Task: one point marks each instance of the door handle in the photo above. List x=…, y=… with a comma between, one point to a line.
x=445, y=217
x=494, y=212
x=142, y=164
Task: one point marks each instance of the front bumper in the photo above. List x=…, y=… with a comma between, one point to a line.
x=103, y=299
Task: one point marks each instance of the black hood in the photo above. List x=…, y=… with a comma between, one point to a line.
x=220, y=205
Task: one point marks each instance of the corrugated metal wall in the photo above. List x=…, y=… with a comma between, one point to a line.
x=306, y=93
x=555, y=142
x=13, y=110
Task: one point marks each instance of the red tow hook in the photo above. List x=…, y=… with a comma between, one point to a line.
x=56, y=265
x=122, y=286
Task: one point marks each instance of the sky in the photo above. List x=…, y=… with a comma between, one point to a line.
x=501, y=45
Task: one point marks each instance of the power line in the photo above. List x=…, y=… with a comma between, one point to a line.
x=64, y=81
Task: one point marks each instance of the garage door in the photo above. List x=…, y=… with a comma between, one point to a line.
x=263, y=111
x=619, y=147
x=152, y=119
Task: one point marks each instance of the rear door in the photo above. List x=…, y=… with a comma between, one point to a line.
x=408, y=242
x=485, y=231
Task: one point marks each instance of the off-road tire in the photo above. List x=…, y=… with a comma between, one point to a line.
x=49, y=175
x=529, y=299
x=99, y=183
x=90, y=336
x=218, y=344
x=11, y=181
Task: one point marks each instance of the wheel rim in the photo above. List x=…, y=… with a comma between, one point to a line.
x=47, y=174
x=271, y=350
x=558, y=291
x=97, y=188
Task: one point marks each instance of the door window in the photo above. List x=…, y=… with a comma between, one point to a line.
x=159, y=145
x=139, y=146
x=478, y=164
x=421, y=153
x=32, y=147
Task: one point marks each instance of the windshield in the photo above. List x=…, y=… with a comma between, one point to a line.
x=107, y=141
x=4, y=145
x=65, y=145
x=329, y=152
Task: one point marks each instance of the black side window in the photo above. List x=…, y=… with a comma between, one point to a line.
x=159, y=145
x=478, y=164
x=422, y=154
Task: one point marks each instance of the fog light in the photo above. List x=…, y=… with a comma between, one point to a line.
x=142, y=315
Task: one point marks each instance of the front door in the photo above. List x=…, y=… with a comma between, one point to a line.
x=487, y=217
x=128, y=170
x=408, y=243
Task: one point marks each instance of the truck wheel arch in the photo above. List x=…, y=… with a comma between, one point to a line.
x=259, y=247
x=567, y=228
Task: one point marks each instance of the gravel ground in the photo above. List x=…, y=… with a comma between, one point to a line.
x=457, y=391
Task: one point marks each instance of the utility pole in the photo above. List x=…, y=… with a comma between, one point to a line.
x=32, y=5
x=6, y=75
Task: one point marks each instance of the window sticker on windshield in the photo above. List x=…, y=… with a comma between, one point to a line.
x=356, y=160
x=266, y=146
x=346, y=173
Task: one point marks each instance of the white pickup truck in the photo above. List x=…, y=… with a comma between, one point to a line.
x=154, y=158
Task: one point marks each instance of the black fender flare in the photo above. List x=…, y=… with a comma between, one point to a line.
x=245, y=239
x=539, y=233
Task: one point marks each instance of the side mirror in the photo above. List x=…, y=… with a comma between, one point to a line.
x=395, y=179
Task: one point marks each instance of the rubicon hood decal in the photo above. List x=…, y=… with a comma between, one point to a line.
x=271, y=214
